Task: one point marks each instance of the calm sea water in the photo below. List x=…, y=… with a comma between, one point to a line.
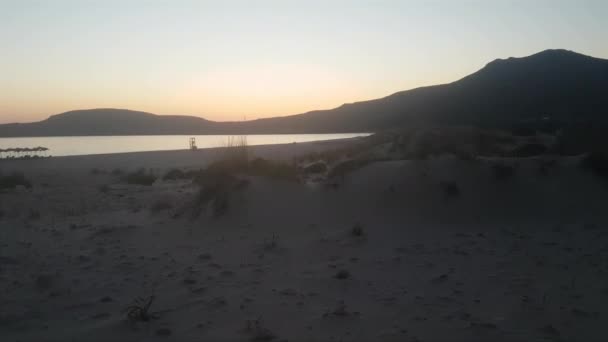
x=71, y=146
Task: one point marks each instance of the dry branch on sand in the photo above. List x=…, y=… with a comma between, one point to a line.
x=140, y=309
x=258, y=331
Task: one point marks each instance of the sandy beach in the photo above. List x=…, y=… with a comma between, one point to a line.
x=316, y=171
x=409, y=250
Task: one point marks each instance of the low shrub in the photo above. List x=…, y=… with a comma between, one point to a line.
x=334, y=155
x=464, y=155
x=258, y=331
x=272, y=169
x=13, y=180
x=357, y=230
x=339, y=171
x=581, y=139
x=530, y=150
x=160, y=205
x=597, y=162
x=140, y=177
x=545, y=166
x=220, y=179
x=117, y=172
x=503, y=171
x=33, y=214
x=175, y=174
x=235, y=150
x=215, y=189
x=257, y=167
x=315, y=168
x=97, y=171
x=450, y=189
x=271, y=244
x=342, y=274
x=523, y=131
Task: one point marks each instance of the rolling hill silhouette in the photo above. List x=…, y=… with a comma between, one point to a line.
x=560, y=86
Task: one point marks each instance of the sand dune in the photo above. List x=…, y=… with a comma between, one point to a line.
x=443, y=250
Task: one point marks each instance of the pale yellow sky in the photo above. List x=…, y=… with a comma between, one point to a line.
x=227, y=61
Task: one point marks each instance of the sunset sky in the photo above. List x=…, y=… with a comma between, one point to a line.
x=226, y=60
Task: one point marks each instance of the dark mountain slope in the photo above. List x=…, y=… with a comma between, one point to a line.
x=562, y=85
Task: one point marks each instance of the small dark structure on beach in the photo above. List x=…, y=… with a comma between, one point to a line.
x=193, y=143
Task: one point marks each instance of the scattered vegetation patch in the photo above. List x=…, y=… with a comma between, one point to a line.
x=175, y=174
x=257, y=167
x=450, y=189
x=340, y=170
x=315, y=168
x=271, y=244
x=597, y=162
x=503, y=171
x=579, y=139
x=215, y=190
x=117, y=172
x=545, y=166
x=236, y=149
x=342, y=274
x=272, y=169
x=357, y=230
x=140, y=177
x=160, y=205
x=97, y=171
x=33, y=214
x=163, y=332
x=104, y=188
x=234, y=159
x=530, y=150
x=465, y=156
x=350, y=151
x=221, y=178
x=13, y=180
x=523, y=131
x=258, y=332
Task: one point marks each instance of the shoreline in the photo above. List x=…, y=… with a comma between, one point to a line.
x=172, y=147
x=166, y=159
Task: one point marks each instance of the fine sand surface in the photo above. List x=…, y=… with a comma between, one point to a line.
x=518, y=259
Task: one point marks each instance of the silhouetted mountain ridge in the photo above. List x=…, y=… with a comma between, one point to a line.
x=560, y=86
